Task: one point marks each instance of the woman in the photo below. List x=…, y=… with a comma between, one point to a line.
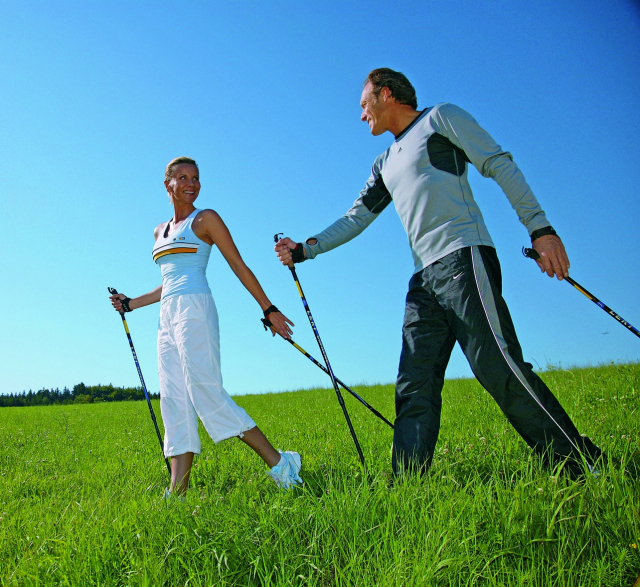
x=188, y=335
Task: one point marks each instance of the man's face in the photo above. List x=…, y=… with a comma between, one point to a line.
x=374, y=110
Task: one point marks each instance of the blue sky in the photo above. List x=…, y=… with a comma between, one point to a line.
x=98, y=96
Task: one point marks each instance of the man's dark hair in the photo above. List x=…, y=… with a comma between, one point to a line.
x=400, y=87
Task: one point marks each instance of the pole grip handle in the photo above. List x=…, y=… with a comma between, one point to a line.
x=530, y=253
x=276, y=238
x=114, y=292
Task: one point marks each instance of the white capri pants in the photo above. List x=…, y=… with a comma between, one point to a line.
x=190, y=376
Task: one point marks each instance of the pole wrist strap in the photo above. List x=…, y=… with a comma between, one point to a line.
x=297, y=254
x=125, y=304
x=543, y=232
x=270, y=310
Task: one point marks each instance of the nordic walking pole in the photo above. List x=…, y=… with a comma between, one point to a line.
x=113, y=292
x=353, y=393
x=326, y=359
x=533, y=254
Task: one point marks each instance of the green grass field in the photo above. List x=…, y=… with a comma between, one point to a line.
x=81, y=497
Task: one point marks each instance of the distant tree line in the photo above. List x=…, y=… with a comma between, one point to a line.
x=80, y=394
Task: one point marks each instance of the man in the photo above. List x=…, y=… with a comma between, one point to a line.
x=455, y=293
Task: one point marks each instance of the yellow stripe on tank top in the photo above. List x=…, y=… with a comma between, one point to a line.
x=176, y=250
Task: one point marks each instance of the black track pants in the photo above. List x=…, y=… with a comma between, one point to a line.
x=459, y=298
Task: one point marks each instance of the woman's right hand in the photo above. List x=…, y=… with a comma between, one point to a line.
x=116, y=302
x=123, y=304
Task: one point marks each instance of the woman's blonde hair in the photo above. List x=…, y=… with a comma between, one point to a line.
x=168, y=172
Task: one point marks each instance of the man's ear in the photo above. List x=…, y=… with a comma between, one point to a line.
x=386, y=94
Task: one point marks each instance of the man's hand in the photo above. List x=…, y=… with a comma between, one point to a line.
x=283, y=249
x=553, y=258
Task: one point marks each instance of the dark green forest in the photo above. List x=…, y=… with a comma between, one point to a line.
x=80, y=394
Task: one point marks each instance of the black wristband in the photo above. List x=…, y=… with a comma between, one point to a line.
x=543, y=232
x=270, y=310
x=125, y=304
x=297, y=254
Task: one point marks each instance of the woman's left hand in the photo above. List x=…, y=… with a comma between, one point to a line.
x=280, y=324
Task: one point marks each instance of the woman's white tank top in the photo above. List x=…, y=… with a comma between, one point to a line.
x=183, y=259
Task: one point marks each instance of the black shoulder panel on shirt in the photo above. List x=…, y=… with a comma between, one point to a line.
x=446, y=156
x=377, y=197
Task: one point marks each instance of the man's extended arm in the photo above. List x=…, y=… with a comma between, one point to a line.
x=373, y=199
x=490, y=160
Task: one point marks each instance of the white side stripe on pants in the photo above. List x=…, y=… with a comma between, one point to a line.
x=490, y=310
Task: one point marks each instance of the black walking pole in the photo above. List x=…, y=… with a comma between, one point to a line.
x=353, y=393
x=533, y=254
x=113, y=292
x=326, y=359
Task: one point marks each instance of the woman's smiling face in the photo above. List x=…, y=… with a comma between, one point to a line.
x=184, y=185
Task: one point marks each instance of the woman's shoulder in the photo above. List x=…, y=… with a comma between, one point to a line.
x=207, y=213
x=206, y=217
x=207, y=225
x=158, y=229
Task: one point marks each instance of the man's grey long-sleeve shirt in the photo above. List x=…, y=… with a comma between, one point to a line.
x=424, y=172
